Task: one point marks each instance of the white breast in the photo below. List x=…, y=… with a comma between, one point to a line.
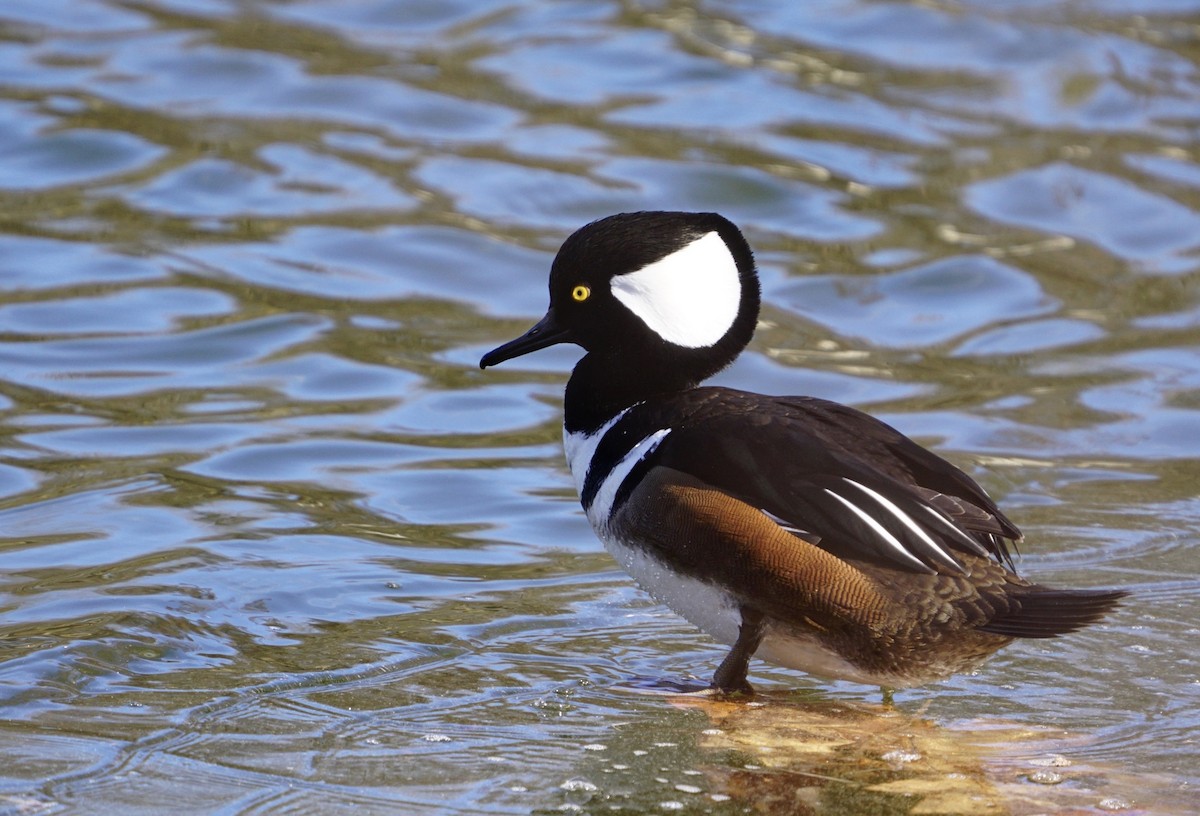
x=581, y=448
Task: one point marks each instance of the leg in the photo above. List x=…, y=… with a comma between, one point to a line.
x=731, y=674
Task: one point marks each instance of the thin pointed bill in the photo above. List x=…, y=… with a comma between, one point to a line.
x=546, y=333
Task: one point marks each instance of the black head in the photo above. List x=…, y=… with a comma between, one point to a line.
x=669, y=295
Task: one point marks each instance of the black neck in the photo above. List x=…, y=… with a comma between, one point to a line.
x=599, y=388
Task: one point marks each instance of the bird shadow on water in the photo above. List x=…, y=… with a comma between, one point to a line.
x=788, y=752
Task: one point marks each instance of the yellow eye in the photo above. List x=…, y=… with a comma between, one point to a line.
x=580, y=293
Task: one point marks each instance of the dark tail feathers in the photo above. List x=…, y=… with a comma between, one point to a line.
x=1039, y=612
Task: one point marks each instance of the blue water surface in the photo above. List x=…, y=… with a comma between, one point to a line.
x=269, y=540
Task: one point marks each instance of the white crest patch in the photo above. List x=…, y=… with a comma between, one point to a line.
x=689, y=298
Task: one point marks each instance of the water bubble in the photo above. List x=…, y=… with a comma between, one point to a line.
x=579, y=785
x=578, y=792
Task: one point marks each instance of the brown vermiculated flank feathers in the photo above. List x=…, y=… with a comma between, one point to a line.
x=1038, y=612
x=905, y=626
x=783, y=574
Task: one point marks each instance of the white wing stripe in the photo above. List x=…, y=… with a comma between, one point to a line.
x=791, y=528
x=784, y=524
x=890, y=539
x=953, y=528
x=905, y=519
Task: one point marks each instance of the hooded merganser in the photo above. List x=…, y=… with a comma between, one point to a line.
x=794, y=528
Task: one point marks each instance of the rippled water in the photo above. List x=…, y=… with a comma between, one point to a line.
x=270, y=542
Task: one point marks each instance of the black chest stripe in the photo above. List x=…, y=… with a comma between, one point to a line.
x=634, y=478
x=614, y=446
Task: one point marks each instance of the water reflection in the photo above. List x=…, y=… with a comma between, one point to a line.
x=270, y=541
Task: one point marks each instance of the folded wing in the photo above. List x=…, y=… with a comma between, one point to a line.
x=840, y=479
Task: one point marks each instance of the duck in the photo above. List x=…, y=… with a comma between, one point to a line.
x=792, y=529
